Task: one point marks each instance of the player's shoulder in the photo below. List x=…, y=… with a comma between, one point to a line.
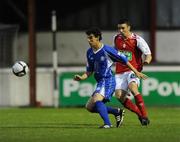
x=107, y=47
x=140, y=40
x=136, y=36
x=118, y=36
x=89, y=51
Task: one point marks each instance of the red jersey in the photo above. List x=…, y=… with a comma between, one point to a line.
x=133, y=48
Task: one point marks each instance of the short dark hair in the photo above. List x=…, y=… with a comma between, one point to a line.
x=95, y=31
x=124, y=21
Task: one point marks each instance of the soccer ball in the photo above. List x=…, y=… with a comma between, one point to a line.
x=20, y=68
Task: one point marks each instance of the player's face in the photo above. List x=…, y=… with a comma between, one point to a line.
x=92, y=40
x=124, y=29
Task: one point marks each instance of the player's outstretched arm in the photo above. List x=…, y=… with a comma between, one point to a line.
x=138, y=74
x=119, y=57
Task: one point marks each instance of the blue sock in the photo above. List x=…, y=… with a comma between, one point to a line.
x=110, y=110
x=113, y=111
x=102, y=110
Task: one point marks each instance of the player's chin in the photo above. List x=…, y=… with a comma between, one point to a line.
x=122, y=34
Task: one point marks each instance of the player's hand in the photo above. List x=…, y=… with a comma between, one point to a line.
x=77, y=77
x=141, y=75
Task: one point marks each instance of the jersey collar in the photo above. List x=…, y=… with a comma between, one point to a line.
x=98, y=49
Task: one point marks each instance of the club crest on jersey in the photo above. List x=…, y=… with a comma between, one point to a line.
x=124, y=45
x=102, y=58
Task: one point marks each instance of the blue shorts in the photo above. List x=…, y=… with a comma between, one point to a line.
x=106, y=88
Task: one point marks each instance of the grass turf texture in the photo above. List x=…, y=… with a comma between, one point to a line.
x=78, y=125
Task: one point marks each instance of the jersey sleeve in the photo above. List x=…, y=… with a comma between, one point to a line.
x=89, y=63
x=143, y=46
x=115, y=55
x=114, y=40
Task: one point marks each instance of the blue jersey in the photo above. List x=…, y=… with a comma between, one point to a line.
x=100, y=62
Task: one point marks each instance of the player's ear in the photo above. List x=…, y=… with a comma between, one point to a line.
x=98, y=38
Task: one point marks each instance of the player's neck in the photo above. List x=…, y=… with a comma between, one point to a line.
x=98, y=46
x=128, y=35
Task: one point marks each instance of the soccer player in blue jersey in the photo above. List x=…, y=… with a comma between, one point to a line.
x=100, y=58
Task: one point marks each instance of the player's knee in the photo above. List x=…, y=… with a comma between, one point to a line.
x=121, y=99
x=135, y=92
x=133, y=88
x=89, y=107
x=118, y=94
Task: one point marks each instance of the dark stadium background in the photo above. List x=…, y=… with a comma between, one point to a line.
x=70, y=13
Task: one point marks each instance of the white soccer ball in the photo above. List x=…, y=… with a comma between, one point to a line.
x=20, y=68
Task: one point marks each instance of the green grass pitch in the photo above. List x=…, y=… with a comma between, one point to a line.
x=78, y=125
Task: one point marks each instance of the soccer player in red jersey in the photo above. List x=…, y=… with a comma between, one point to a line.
x=135, y=48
